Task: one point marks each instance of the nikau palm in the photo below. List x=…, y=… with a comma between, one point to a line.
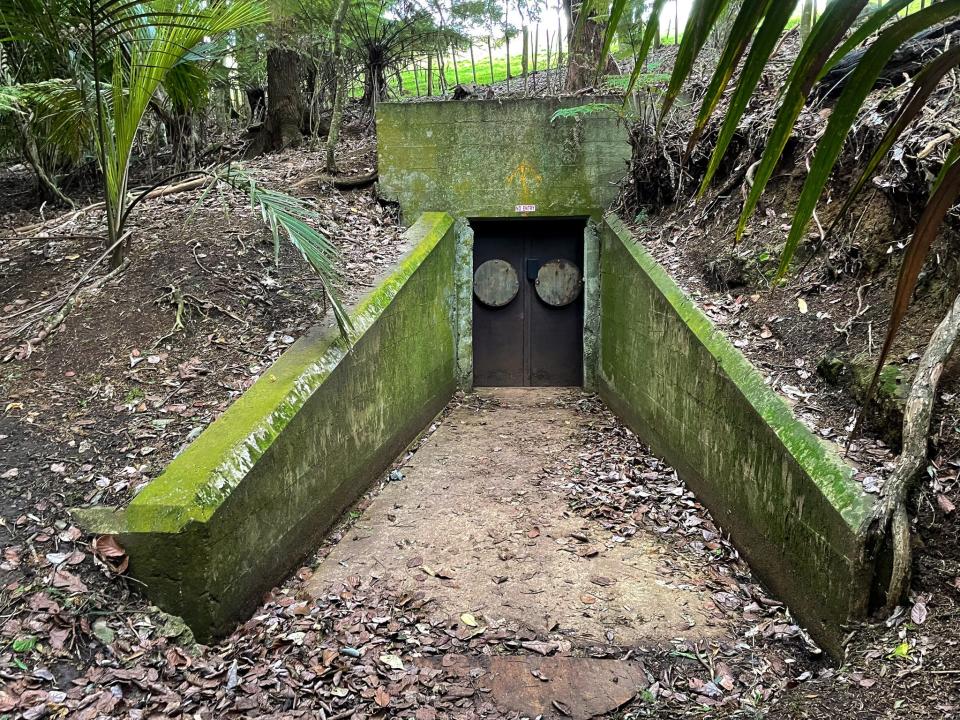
x=842, y=28
x=134, y=51
x=141, y=42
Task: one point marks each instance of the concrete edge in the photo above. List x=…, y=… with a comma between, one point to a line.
x=832, y=475
x=201, y=477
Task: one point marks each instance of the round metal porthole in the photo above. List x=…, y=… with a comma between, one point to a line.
x=558, y=282
x=495, y=283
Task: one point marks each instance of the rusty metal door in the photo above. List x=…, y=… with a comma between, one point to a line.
x=528, y=302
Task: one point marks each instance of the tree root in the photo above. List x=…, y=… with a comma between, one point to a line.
x=54, y=321
x=891, y=515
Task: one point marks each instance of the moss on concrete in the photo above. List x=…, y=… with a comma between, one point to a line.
x=483, y=158
x=242, y=504
x=786, y=498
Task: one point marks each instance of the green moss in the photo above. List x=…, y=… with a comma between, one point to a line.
x=789, y=502
x=438, y=155
x=242, y=505
x=196, y=483
x=834, y=476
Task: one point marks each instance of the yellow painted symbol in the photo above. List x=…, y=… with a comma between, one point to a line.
x=522, y=178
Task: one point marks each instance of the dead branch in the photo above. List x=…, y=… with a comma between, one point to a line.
x=351, y=182
x=891, y=512
x=155, y=193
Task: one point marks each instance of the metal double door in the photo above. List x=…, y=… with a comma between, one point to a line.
x=528, y=303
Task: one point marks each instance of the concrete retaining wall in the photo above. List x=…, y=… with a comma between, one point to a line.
x=786, y=498
x=486, y=158
x=243, y=504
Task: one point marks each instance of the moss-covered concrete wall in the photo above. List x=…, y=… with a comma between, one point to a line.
x=486, y=158
x=246, y=501
x=786, y=498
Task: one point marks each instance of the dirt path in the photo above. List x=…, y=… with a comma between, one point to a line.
x=479, y=527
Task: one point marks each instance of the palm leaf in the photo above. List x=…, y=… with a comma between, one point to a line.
x=703, y=16
x=616, y=12
x=650, y=32
x=154, y=37
x=763, y=45
x=744, y=25
x=923, y=86
x=874, y=22
x=808, y=67
x=289, y=216
x=848, y=108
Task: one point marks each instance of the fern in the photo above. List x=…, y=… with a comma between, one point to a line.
x=586, y=109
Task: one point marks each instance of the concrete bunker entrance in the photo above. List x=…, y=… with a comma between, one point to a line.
x=254, y=492
x=528, y=302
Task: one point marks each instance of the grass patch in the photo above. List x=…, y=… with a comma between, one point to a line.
x=464, y=71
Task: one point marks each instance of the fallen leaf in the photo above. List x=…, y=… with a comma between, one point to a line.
x=468, y=619
x=946, y=506
x=392, y=661
x=64, y=579
x=919, y=613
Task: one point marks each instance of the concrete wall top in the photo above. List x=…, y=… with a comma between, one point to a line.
x=500, y=158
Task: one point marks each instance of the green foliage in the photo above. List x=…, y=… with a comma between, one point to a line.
x=652, y=30
x=24, y=644
x=843, y=26
x=288, y=216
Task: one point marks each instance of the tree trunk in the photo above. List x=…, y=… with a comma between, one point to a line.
x=340, y=86
x=525, y=57
x=429, y=74
x=536, y=48
x=584, y=53
x=806, y=19
x=184, y=140
x=490, y=57
x=891, y=512
x=374, y=84
x=257, y=101
x=548, y=56
x=285, y=103
x=507, y=40
x=45, y=184
x=473, y=65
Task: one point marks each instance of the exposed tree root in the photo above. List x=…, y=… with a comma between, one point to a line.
x=55, y=320
x=891, y=513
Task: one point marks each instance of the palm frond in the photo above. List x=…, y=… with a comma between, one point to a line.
x=847, y=109
x=774, y=21
x=287, y=215
x=837, y=18
x=651, y=31
x=147, y=41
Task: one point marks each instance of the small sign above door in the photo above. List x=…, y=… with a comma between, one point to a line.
x=526, y=208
